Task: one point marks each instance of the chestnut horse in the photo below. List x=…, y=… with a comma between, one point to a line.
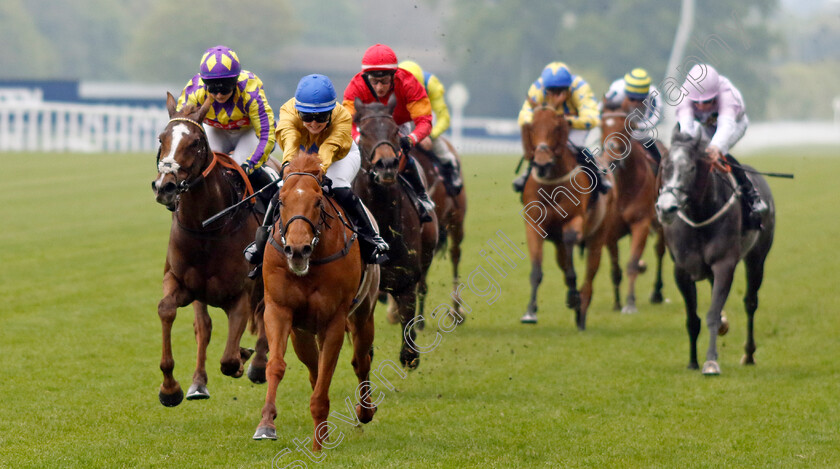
x=412, y=243
x=314, y=290
x=451, y=211
x=704, y=230
x=562, y=192
x=205, y=266
x=634, y=214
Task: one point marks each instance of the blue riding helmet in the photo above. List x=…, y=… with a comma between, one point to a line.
x=315, y=93
x=556, y=77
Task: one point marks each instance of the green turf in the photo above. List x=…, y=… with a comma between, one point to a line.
x=82, y=249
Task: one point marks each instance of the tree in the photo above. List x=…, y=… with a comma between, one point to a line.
x=26, y=53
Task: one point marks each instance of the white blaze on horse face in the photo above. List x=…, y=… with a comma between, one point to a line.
x=168, y=164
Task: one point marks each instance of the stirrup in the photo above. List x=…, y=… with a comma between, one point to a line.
x=255, y=271
x=252, y=253
x=519, y=182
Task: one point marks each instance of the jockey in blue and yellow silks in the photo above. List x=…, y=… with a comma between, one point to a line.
x=573, y=98
x=240, y=121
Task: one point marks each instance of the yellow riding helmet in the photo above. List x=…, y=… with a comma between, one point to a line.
x=637, y=83
x=415, y=69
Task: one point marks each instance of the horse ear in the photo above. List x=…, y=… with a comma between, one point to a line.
x=170, y=104
x=202, y=111
x=531, y=102
x=392, y=103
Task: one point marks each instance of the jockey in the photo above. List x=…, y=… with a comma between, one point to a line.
x=239, y=122
x=312, y=123
x=379, y=79
x=635, y=95
x=716, y=106
x=433, y=144
x=573, y=98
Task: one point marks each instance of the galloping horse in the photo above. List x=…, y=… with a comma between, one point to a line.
x=575, y=216
x=451, y=211
x=704, y=229
x=634, y=214
x=412, y=243
x=314, y=290
x=204, y=266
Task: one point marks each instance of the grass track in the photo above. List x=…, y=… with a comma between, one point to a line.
x=82, y=249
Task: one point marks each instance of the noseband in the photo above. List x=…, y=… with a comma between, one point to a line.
x=315, y=228
x=379, y=143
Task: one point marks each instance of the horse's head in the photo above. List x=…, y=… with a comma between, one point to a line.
x=301, y=200
x=615, y=134
x=545, y=138
x=684, y=169
x=183, y=153
x=379, y=139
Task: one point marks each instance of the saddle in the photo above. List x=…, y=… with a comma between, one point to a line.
x=446, y=173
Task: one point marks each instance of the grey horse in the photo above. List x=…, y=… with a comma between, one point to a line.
x=704, y=229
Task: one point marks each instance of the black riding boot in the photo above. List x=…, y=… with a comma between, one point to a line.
x=254, y=252
x=519, y=182
x=260, y=178
x=588, y=160
x=451, y=176
x=372, y=245
x=653, y=150
x=412, y=175
x=754, y=202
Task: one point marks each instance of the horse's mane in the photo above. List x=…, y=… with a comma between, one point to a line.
x=681, y=137
x=305, y=163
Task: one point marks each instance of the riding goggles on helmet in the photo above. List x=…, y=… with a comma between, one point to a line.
x=319, y=117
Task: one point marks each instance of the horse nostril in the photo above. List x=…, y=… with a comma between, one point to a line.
x=154, y=185
x=307, y=250
x=168, y=188
x=287, y=250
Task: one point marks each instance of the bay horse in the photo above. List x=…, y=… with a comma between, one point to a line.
x=704, y=230
x=634, y=213
x=573, y=216
x=314, y=291
x=205, y=266
x=451, y=210
x=412, y=243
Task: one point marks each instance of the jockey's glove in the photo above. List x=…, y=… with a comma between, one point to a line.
x=248, y=167
x=406, y=144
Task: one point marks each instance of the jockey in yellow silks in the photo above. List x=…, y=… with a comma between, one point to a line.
x=572, y=97
x=432, y=143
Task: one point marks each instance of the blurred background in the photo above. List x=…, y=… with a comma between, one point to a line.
x=782, y=54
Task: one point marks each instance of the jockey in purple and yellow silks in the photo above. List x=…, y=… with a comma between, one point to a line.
x=433, y=144
x=572, y=97
x=240, y=121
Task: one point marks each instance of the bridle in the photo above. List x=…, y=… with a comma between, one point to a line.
x=166, y=167
x=397, y=150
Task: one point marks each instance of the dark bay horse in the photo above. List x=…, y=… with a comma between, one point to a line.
x=569, y=214
x=704, y=230
x=314, y=291
x=451, y=211
x=634, y=213
x=412, y=243
x=205, y=266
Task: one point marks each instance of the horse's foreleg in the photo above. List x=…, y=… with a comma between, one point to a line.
x=754, y=264
x=203, y=327
x=410, y=351
x=278, y=326
x=593, y=261
x=234, y=357
x=362, y=333
x=307, y=352
x=615, y=273
x=723, y=272
x=566, y=260
x=332, y=337
x=535, y=253
x=656, y=297
x=170, y=393
x=638, y=238
x=692, y=322
x=456, y=236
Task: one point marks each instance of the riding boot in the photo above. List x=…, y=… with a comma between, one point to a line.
x=519, y=182
x=452, y=178
x=260, y=178
x=754, y=202
x=653, y=150
x=372, y=245
x=254, y=251
x=588, y=160
x=425, y=207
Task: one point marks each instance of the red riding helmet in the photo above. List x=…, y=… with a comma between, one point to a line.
x=379, y=57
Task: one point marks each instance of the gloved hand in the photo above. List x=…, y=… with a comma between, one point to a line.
x=248, y=167
x=406, y=144
x=326, y=185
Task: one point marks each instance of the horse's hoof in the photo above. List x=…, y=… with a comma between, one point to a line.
x=365, y=415
x=616, y=306
x=420, y=324
x=232, y=369
x=642, y=266
x=580, y=320
x=693, y=366
x=748, y=360
x=197, y=391
x=629, y=309
x=392, y=318
x=410, y=361
x=256, y=374
x=724, y=326
x=711, y=368
x=265, y=433
x=171, y=400
x=656, y=297
x=528, y=318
